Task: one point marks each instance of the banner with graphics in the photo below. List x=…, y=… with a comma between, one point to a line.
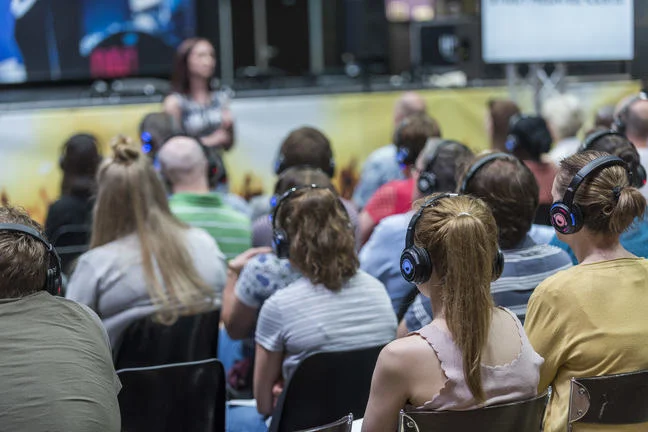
x=357, y=124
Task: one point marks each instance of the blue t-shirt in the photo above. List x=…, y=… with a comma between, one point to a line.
x=635, y=240
x=524, y=268
x=380, y=167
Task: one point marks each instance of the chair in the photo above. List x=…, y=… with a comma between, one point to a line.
x=524, y=416
x=612, y=399
x=148, y=343
x=70, y=242
x=175, y=397
x=325, y=387
x=343, y=425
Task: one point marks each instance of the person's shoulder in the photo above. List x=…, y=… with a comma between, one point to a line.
x=404, y=351
x=198, y=238
x=366, y=281
x=557, y=285
x=384, y=154
x=395, y=223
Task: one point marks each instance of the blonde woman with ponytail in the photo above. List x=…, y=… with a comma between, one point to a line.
x=142, y=260
x=472, y=354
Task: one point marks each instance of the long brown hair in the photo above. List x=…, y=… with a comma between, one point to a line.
x=180, y=74
x=131, y=200
x=603, y=211
x=322, y=245
x=460, y=235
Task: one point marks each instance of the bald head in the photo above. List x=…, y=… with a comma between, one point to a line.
x=633, y=112
x=184, y=164
x=408, y=104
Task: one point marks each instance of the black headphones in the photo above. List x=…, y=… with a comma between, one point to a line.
x=427, y=181
x=483, y=162
x=511, y=139
x=53, y=280
x=280, y=166
x=415, y=263
x=280, y=240
x=638, y=178
x=620, y=120
x=566, y=216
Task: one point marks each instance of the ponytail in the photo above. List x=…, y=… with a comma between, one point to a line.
x=466, y=292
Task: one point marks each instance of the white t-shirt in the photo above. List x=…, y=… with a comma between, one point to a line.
x=303, y=319
x=643, y=157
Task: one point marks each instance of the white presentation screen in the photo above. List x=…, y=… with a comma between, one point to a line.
x=531, y=31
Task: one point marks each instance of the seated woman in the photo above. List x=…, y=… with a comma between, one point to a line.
x=142, y=260
x=590, y=320
x=472, y=354
x=333, y=307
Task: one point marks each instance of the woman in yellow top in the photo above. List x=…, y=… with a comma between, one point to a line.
x=590, y=320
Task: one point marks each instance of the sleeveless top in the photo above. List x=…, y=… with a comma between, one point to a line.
x=515, y=381
x=201, y=120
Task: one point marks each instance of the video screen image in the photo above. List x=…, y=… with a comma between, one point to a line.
x=49, y=40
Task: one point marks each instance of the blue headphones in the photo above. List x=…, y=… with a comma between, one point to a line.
x=53, y=280
x=415, y=264
x=567, y=216
x=427, y=181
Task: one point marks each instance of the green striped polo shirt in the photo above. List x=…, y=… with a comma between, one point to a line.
x=231, y=229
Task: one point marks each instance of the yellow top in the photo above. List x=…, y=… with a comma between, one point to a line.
x=589, y=320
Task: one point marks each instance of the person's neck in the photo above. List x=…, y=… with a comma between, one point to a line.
x=638, y=141
x=598, y=247
x=195, y=188
x=199, y=88
x=437, y=303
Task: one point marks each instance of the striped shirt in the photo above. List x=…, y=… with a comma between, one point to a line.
x=303, y=319
x=230, y=228
x=524, y=269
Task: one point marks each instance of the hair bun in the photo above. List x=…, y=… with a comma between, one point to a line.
x=124, y=150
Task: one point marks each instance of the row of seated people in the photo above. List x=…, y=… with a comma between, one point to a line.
x=150, y=263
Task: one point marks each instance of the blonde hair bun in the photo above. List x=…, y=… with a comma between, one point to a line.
x=124, y=150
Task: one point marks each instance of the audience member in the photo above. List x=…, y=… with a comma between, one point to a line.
x=436, y=171
x=339, y=307
x=529, y=139
x=396, y=197
x=256, y=277
x=381, y=166
x=635, y=238
x=510, y=190
x=631, y=120
x=184, y=165
x=604, y=117
x=155, y=129
x=500, y=112
x=303, y=147
x=473, y=354
x=201, y=112
x=56, y=370
x=565, y=118
x=79, y=161
x=590, y=320
x=142, y=260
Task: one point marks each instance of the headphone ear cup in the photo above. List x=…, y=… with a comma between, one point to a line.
x=511, y=143
x=639, y=179
x=280, y=243
x=498, y=265
x=566, y=220
x=279, y=164
x=416, y=265
x=426, y=183
x=331, y=170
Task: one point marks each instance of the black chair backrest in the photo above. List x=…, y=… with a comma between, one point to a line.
x=70, y=242
x=611, y=399
x=523, y=416
x=345, y=424
x=325, y=387
x=148, y=343
x=176, y=397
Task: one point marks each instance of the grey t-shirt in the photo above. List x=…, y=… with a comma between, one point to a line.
x=56, y=370
x=303, y=319
x=110, y=279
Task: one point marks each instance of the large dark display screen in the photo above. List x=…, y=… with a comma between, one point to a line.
x=51, y=40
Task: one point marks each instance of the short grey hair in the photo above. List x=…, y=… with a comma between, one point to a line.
x=564, y=115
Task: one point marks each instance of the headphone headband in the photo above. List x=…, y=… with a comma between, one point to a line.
x=409, y=236
x=582, y=174
x=53, y=280
x=481, y=163
x=591, y=139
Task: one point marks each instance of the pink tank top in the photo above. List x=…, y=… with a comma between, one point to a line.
x=514, y=381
